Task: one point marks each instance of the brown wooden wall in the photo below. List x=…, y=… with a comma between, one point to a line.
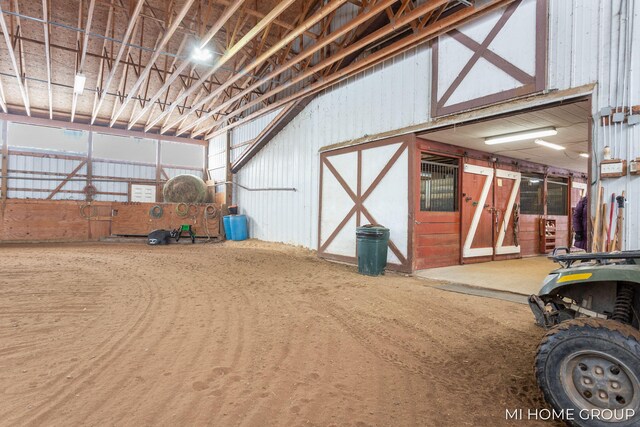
x=134, y=219
x=438, y=236
x=529, y=235
x=62, y=220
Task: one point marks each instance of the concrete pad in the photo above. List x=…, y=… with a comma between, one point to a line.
x=520, y=276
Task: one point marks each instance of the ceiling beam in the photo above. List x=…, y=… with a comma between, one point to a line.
x=257, y=29
x=327, y=61
x=47, y=51
x=83, y=54
x=14, y=62
x=159, y=47
x=103, y=58
x=429, y=32
x=174, y=75
x=132, y=22
x=260, y=15
x=290, y=37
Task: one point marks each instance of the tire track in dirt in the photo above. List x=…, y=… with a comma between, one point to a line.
x=110, y=350
x=260, y=335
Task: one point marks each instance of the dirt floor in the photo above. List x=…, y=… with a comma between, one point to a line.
x=249, y=334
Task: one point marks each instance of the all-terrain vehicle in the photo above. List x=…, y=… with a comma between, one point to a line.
x=588, y=363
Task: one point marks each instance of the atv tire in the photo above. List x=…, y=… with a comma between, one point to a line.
x=592, y=368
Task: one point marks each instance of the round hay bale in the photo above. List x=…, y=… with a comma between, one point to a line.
x=185, y=189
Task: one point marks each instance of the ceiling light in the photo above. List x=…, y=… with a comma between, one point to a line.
x=521, y=136
x=201, y=54
x=78, y=84
x=534, y=180
x=585, y=155
x=549, y=144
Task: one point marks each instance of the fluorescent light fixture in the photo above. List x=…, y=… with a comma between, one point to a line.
x=549, y=144
x=78, y=84
x=521, y=136
x=585, y=155
x=534, y=180
x=201, y=54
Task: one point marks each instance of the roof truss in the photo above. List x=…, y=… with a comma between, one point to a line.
x=137, y=57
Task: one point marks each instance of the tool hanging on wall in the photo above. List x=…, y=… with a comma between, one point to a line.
x=595, y=241
x=610, y=225
x=516, y=223
x=605, y=225
x=617, y=238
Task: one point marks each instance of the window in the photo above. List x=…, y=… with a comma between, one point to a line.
x=438, y=184
x=532, y=194
x=557, y=193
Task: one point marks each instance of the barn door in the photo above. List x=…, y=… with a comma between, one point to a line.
x=506, y=195
x=477, y=211
x=488, y=198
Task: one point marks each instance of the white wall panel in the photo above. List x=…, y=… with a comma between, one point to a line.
x=589, y=42
x=47, y=138
x=117, y=160
x=389, y=96
x=130, y=149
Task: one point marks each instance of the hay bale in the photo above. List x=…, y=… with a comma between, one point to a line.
x=185, y=189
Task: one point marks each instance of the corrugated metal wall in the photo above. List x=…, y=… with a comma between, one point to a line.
x=598, y=41
x=41, y=157
x=246, y=133
x=387, y=97
x=589, y=41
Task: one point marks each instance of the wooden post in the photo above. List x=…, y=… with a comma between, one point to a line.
x=158, y=167
x=228, y=176
x=5, y=162
x=205, y=163
x=595, y=245
x=90, y=168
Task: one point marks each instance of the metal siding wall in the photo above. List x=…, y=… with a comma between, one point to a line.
x=56, y=139
x=596, y=41
x=586, y=44
x=253, y=128
x=387, y=97
x=217, y=160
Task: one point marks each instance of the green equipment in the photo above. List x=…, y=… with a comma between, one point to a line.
x=185, y=227
x=588, y=363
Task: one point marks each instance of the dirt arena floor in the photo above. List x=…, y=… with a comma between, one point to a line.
x=249, y=334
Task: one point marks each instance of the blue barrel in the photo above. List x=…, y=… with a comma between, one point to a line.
x=238, y=227
x=226, y=220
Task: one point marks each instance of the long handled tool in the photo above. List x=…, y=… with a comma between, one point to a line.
x=613, y=203
x=617, y=238
x=595, y=242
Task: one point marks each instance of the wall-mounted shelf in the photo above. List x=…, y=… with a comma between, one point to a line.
x=547, y=235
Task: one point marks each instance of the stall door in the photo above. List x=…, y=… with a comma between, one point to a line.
x=506, y=194
x=488, y=198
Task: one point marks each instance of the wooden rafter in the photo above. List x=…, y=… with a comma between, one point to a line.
x=212, y=32
x=289, y=38
x=83, y=54
x=132, y=22
x=307, y=53
x=14, y=62
x=264, y=51
x=257, y=29
x=156, y=53
x=47, y=50
x=426, y=33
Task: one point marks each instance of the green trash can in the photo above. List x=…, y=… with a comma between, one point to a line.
x=372, y=243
